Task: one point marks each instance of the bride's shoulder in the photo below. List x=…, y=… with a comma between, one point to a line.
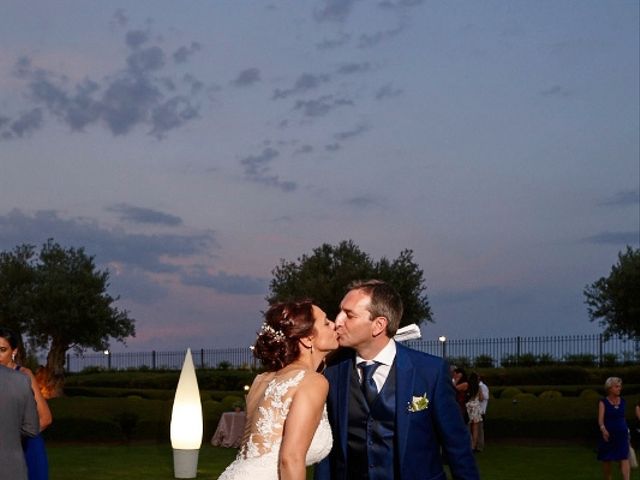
x=315, y=381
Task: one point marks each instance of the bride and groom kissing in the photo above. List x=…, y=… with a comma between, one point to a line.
x=379, y=410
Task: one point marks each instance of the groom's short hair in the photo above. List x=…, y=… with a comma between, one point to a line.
x=385, y=302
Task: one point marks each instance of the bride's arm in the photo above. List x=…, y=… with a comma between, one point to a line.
x=300, y=426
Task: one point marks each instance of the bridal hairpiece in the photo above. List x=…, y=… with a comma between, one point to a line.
x=277, y=335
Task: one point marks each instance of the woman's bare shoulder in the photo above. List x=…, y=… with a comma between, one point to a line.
x=315, y=381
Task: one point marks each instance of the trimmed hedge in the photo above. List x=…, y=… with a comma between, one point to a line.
x=124, y=419
x=208, y=379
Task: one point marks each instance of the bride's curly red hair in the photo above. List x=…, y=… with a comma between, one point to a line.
x=278, y=342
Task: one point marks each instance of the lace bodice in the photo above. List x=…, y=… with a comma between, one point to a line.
x=258, y=455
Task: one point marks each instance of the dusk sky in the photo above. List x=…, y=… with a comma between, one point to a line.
x=191, y=145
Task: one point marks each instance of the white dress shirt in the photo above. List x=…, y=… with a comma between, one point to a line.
x=385, y=359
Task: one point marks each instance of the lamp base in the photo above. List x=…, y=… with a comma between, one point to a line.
x=185, y=463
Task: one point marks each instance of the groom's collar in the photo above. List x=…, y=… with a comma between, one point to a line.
x=384, y=356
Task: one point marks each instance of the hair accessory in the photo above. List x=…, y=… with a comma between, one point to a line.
x=277, y=335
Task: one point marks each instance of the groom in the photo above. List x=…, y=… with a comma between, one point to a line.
x=392, y=409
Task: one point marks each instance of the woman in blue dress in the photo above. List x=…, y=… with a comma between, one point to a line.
x=34, y=449
x=614, y=440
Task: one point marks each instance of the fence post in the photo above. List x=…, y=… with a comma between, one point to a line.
x=68, y=363
x=518, y=350
x=153, y=359
x=108, y=359
x=600, y=350
x=202, y=358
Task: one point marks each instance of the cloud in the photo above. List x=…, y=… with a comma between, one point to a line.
x=615, y=238
x=304, y=149
x=141, y=93
x=119, y=19
x=359, y=130
x=247, y=77
x=333, y=10
x=556, y=91
x=171, y=114
x=182, y=54
x=351, y=68
x=304, y=83
x=140, y=215
x=331, y=43
x=256, y=169
x=399, y=4
x=136, y=38
x=225, y=283
x=387, y=91
x=370, y=41
x=137, y=286
x=148, y=252
x=321, y=106
x=622, y=199
x=24, y=125
x=363, y=201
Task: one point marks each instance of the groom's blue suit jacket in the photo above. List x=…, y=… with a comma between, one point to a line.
x=421, y=438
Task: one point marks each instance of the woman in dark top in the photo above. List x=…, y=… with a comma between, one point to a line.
x=614, y=441
x=461, y=383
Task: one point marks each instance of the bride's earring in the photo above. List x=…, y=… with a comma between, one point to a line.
x=13, y=357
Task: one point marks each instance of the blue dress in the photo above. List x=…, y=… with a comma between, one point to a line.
x=617, y=448
x=35, y=455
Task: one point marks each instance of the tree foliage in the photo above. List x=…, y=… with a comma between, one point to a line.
x=325, y=274
x=58, y=299
x=615, y=300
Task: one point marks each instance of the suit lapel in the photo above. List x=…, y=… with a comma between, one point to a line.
x=344, y=376
x=404, y=391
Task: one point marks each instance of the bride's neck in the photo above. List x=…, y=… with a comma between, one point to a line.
x=307, y=361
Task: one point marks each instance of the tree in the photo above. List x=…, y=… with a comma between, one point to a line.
x=615, y=300
x=60, y=302
x=325, y=274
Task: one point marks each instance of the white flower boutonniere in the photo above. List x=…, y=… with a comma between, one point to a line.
x=418, y=403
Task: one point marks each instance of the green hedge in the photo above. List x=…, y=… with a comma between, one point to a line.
x=124, y=419
x=207, y=379
x=557, y=375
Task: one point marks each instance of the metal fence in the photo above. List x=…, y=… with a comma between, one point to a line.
x=586, y=349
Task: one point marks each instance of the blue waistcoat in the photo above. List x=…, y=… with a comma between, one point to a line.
x=370, y=437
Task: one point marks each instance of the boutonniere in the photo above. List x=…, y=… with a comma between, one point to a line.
x=418, y=403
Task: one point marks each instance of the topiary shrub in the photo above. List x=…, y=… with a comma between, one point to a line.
x=589, y=393
x=524, y=396
x=547, y=394
x=510, y=392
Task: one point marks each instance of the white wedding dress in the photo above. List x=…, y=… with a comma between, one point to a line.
x=258, y=455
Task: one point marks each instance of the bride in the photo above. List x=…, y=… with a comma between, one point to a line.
x=287, y=427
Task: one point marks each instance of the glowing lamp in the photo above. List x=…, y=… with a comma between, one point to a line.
x=186, y=422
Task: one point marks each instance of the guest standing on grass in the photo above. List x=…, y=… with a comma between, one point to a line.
x=18, y=416
x=461, y=384
x=484, y=390
x=34, y=448
x=474, y=408
x=614, y=433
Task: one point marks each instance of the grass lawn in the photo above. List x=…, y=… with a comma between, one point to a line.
x=504, y=461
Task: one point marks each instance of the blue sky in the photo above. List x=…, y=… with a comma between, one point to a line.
x=190, y=146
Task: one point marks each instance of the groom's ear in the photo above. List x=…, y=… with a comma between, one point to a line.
x=379, y=325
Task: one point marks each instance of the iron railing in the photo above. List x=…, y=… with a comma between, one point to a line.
x=588, y=349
